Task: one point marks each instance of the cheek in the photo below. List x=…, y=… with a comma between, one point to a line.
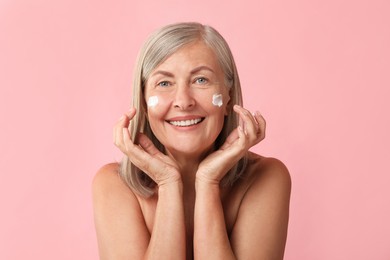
x=157, y=107
x=217, y=100
x=152, y=101
x=215, y=104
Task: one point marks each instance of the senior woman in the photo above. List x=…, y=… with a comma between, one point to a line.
x=188, y=187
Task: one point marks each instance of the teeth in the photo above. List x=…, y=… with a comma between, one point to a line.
x=185, y=122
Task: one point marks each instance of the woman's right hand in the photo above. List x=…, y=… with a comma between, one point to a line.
x=158, y=166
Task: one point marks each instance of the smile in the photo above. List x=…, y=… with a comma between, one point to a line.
x=186, y=122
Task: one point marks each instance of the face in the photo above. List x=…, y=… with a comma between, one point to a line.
x=187, y=100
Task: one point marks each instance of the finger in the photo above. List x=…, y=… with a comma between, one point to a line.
x=239, y=144
x=118, y=129
x=135, y=153
x=114, y=132
x=126, y=117
x=145, y=156
x=123, y=122
x=241, y=123
x=147, y=145
x=233, y=136
x=242, y=136
x=250, y=124
x=262, y=125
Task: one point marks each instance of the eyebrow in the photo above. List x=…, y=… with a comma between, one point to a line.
x=162, y=72
x=197, y=69
x=169, y=74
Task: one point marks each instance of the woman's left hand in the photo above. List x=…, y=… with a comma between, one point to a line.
x=250, y=131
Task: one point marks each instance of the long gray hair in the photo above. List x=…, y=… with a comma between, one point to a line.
x=158, y=47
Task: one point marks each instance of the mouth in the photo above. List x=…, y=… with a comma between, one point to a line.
x=184, y=123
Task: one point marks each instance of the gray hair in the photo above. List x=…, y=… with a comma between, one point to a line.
x=158, y=47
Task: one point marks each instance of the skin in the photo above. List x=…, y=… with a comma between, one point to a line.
x=191, y=216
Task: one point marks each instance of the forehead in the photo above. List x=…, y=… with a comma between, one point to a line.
x=190, y=55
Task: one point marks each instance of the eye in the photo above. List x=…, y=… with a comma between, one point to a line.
x=201, y=80
x=163, y=84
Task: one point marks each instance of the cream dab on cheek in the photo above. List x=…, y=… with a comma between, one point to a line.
x=152, y=101
x=217, y=100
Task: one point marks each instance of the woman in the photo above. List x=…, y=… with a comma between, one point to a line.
x=188, y=188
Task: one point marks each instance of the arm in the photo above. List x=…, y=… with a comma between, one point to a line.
x=168, y=239
x=210, y=236
x=120, y=224
x=211, y=240
x=260, y=230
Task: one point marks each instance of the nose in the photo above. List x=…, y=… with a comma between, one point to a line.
x=184, y=98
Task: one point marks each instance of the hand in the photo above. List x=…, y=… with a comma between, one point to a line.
x=158, y=166
x=250, y=131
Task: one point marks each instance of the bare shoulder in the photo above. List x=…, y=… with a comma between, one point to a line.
x=107, y=177
x=119, y=222
x=268, y=182
x=266, y=171
x=107, y=181
x=109, y=189
x=263, y=214
x=108, y=172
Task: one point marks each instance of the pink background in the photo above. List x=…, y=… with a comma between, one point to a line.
x=319, y=71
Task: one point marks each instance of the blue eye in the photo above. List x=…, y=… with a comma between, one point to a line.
x=163, y=84
x=201, y=80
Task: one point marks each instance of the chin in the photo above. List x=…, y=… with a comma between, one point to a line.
x=188, y=150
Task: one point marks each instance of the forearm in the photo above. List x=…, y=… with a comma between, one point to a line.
x=168, y=238
x=211, y=240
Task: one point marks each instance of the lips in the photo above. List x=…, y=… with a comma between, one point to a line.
x=185, y=121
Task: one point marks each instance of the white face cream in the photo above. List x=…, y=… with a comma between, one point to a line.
x=152, y=101
x=217, y=100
